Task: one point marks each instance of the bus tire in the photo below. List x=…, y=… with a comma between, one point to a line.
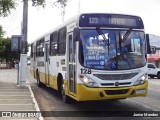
x=59, y=82
x=61, y=89
x=65, y=98
x=39, y=83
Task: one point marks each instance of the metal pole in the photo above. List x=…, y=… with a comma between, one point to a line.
x=23, y=57
x=63, y=12
x=24, y=26
x=17, y=62
x=79, y=6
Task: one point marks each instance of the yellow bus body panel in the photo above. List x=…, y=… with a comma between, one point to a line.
x=86, y=93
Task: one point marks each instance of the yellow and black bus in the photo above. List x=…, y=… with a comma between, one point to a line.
x=93, y=56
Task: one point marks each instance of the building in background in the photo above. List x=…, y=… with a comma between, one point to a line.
x=154, y=57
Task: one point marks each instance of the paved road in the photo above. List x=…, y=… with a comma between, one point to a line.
x=14, y=98
x=153, y=99
x=50, y=100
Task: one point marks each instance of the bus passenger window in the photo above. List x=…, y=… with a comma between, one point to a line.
x=62, y=41
x=53, y=43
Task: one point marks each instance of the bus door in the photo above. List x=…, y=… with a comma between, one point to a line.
x=47, y=62
x=72, y=64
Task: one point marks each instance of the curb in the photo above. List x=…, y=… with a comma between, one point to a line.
x=35, y=102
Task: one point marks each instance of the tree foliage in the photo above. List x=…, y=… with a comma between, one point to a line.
x=60, y=3
x=6, y=6
x=1, y=32
x=57, y=3
x=39, y=3
x=2, y=41
x=5, y=48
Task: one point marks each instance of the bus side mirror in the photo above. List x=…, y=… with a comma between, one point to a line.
x=76, y=34
x=148, y=44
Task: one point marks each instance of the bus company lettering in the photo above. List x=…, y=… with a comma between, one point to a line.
x=40, y=63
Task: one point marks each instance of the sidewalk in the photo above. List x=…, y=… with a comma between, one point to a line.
x=15, y=98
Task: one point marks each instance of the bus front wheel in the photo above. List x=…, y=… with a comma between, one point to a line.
x=65, y=98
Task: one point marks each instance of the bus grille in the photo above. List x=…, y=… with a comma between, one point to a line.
x=116, y=92
x=111, y=84
x=116, y=76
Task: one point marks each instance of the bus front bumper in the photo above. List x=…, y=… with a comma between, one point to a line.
x=86, y=93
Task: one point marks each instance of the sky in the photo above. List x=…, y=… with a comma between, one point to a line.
x=42, y=20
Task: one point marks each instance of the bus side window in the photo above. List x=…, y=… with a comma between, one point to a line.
x=62, y=41
x=42, y=47
x=53, y=44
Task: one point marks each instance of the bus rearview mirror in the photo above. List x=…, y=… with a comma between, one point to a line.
x=148, y=44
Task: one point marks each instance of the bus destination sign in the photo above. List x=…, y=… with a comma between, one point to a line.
x=110, y=20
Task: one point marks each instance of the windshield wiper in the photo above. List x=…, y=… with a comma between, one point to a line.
x=122, y=40
x=126, y=35
x=99, y=31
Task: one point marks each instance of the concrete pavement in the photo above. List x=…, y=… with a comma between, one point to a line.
x=15, y=98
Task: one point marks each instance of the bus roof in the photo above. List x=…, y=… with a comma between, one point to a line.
x=101, y=20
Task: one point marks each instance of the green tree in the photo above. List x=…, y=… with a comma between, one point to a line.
x=1, y=32
x=60, y=3
x=5, y=48
x=7, y=5
x=3, y=43
x=2, y=46
x=5, y=51
x=57, y=3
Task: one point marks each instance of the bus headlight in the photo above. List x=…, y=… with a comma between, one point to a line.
x=88, y=81
x=141, y=80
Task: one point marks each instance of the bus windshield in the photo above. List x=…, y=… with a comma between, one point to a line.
x=112, y=49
